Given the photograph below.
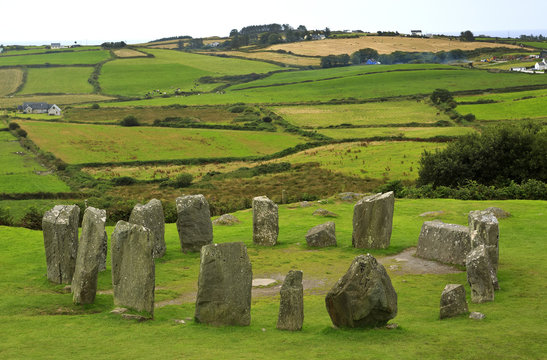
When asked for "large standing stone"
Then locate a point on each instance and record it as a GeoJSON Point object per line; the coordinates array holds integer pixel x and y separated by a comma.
{"type": "Point", "coordinates": [479, 276]}
{"type": "Point", "coordinates": [447, 243]}
{"type": "Point", "coordinates": [152, 217]}
{"type": "Point", "coordinates": [291, 306]}
{"type": "Point", "coordinates": [484, 229]}
{"type": "Point", "coordinates": [363, 297]}
{"type": "Point", "coordinates": [90, 251]}
{"type": "Point", "coordinates": [60, 230]}
{"type": "Point", "coordinates": [194, 222]}
{"type": "Point", "coordinates": [265, 221]}
{"type": "Point", "coordinates": [322, 235]}
{"type": "Point", "coordinates": [453, 301]}
{"type": "Point", "coordinates": [224, 285]}
{"type": "Point", "coordinates": [133, 272]}
{"type": "Point", "coordinates": [372, 221]}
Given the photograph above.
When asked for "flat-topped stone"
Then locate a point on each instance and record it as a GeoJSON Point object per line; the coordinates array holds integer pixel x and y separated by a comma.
{"type": "Point", "coordinates": [291, 306]}
{"type": "Point", "coordinates": [151, 216]}
{"type": "Point", "coordinates": [265, 221]}
{"type": "Point", "coordinates": [447, 243]}
{"type": "Point", "coordinates": [194, 222]}
{"type": "Point", "coordinates": [322, 235]}
{"type": "Point", "coordinates": [373, 221]}
{"type": "Point", "coordinates": [453, 302]}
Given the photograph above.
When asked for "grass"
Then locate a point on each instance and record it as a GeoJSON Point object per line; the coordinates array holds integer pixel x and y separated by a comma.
{"type": "Point", "coordinates": [18, 208]}
{"type": "Point", "coordinates": [42, 49]}
{"type": "Point", "coordinates": [10, 79]}
{"type": "Point", "coordinates": [535, 108]}
{"type": "Point", "coordinates": [33, 311]}
{"type": "Point", "coordinates": [381, 113]}
{"type": "Point", "coordinates": [62, 58]}
{"type": "Point", "coordinates": [21, 173]}
{"type": "Point", "coordinates": [171, 70]}
{"type": "Point", "coordinates": [83, 143]}
{"type": "Point", "coordinates": [408, 132]}
{"type": "Point", "coordinates": [288, 59]}
{"type": "Point", "coordinates": [128, 53]}
{"type": "Point", "coordinates": [69, 80]}
{"type": "Point", "coordinates": [53, 99]}
{"type": "Point", "coordinates": [507, 96]}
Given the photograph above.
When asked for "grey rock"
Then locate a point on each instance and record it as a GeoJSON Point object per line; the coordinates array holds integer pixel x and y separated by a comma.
{"type": "Point", "coordinates": [453, 301]}
{"type": "Point", "coordinates": [447, 243]}
{"type": "Point", "coordinates": [133, 271]}
{"type": "Point", "coordinates": [498, 212]}
{"type": "Point", "coordinates": [119, 310]}
{"type": "Point", "coordinates": [194, 222]}
{"type": "Point", "coordinates": [138, 318]}
{"type": "Point", "coordinates": [322, 235]}
{"type": "Point", "coordinates": [151, 216]}
{"type": "Point", "coordinates": [265, 221]}
{"type": "Point", "coordinates": [363, 297]}
{"type": "Point", "coordinates": [373, 221]}
{"type": "Point", "coordinates": [104, 253]}
{"type": "Point", "coordinates": [226, 219]}
{"type": "Point", "coordinates": [305, 204]}
{"type": "Point", "coordinates": [291, 306]}
{"type": "Point", "coordinates": [350, 196]}
{"type": "Point", "coordinates": [60, 230]}
{"type": "Point", "coordinates": [479, 275]}
{"type": "Point", "coordinates": [484, 229]}
{"type": "Point", "coordinates": [324, 213]}
{"type": "Point", "coordinates": [477, 315]}
{"type": "Point", "coordinates": [392, 326]}
{"type": "Point", "coordinates": [90, 251]}
{"type": "Point", "coordinates": [224, 285]}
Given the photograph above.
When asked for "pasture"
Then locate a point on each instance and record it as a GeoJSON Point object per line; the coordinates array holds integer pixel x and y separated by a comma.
{"type": "Point", "coordinates": [126, 52]}
{"type": "Point", "coordinates": [14, 101]}
{"type": "Point", "coordinates": [407, 132]}
{"type": "Point", "coordinates": [61, 58]}
{"type": "Point", "coordinates": [67, 80]}
{"type": "Point", "coordinates": [288, 59]}
{"type": "Point", "coordinates": [10, 79]}
{"type": "Point", "coordinates": [515, 109]}
{"type": "Point", "coordinates": [34, 310]}
{"type": "Point", "coordinates": [84, 143]}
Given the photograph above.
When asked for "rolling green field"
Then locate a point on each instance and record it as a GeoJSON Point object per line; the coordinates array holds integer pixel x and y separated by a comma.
{"type": "Point", "coordinates": [408, 132]}
{"type": "Point", "coordinates": [14, 101]}
{"type": "Point", "coordinates": [68, 80]}
{"type": "Point", "coordinates": [20, 173]}
{"type": "Point", "coordinates": [42, 49]}
{"type": "Point", "coordinates": [381, 113]}
{"type": "Point", "coordinates": [171, 70]}
{"type": "Point", "coordinates": [62, 58]}
{"type": "Point", "coordinates": [83, 143]}
{"type": "Point", "coordinates": [33, 311]}
{"type": "Point", "coordinates": [10, 79]}
{"type": "Point", "coordinates": [502, 96]}
{"type": "Point", "coordinates": [535, 108]}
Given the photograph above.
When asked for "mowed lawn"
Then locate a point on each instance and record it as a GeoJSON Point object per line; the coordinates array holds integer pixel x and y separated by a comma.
{"type": "Point", "coordinates": [408, 132]}
{"type": "Point", "coordinates": [21, 173]}
{"type": "Point", "coordinates": [66, 80]}
{"type": "Point", "coordinates": [33, 311]}
{"type": "Point", "coordinates": [83, 143]}
{"type": "Point", "coordinates": [378, 113]}
{"type": "Point", "coordinates": [61, 58]}
{"type": "Point", "coordinates": [170, 70]}
{"type": "Point", "coordinates": [10, 79]}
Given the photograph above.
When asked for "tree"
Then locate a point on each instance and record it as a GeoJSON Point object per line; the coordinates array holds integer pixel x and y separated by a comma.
{"type": "Point", "coordinates": [440, 96]}
{"type": "Point", "coordinates": [467, 36]}
{"type": "Point", "coordinates": [234, 32]}
{"type": "Point", "coordinates": [361, 56]}
{"type": "Point", "coordinates": [327, 32]}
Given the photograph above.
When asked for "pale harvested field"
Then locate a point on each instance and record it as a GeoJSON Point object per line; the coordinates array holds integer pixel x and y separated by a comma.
{"type": "Point", "coordinates": [173, 44]}
{"type": "Point", "coordinates": [282, 58]}
{"type": "Point", "coordinates": [52, 99]}
{"type": "Point", "coordinates": [128, 53]}
{"type": "Point", "coordinates": [10, 79]}
{"type": "Point", "coordinates": [382, 44]}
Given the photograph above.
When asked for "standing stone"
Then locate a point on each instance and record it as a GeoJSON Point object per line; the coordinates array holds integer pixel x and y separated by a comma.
{"type": "Point", "coordinates": [322, 235]}
{"type": "Point", "coordinates": [133, 273]}
{"type": "Point", "coordinates": [453, 301]}
{"type": "Point", "coordinates": [484, 229]}
{"type": "Point", "coordinates": [152, 217]}
{"type": "Point", "coordinates": [479, 275]}
{"type": "Point", "coordinates": [90, 250]}
{"type": "Point", "coordinates": [447, 243]}
{"type": "Point", "coordinates": [372, 221]}
{"type": "Point", "coordinates": [104, 253]}
{"type": "Point", "coordinates": [224, 285]}
{"type": "Point", "coordinates": [60, 230]}
{"type": "Point", "coordinates": [194, 222]}
{"type": "Point", "coordinates": [291, 306]}
{"type": "Point", "coordinates": [265, 221]}
{"type": "Point", "coordinates": [363, 297]}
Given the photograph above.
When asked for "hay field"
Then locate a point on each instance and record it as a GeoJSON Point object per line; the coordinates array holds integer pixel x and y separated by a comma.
{"type": "Point", "coordinates": [272, 56]}
{"type": "Point", "coordinates": [10, 79]}
{"type": "Point", "coordinates": [382, 44]}
{"type": "Point", "coordinates": [407, 132]}
{"type": "Point", "coordinates": [68, 80]}
{"type": "Point", "coordinates": [128, 53]}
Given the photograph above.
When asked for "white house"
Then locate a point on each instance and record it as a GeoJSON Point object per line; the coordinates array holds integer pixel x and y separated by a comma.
{"type": "Point", "coordinates": [40, 108]}
{"type": "Point", "coordinates": [541, 65]}
{"type": "Point", "coordinates": [416, 32]}
{"type": "Point", "coordinates": [1, 50]}
{"type": "Point", "coordinates": [55, 45]}
{"type": "Point", "coordinates": [54, 110]}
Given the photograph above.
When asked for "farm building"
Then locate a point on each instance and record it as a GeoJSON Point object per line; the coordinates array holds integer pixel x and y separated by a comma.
{"type": "Point", "coordinates": [541, 65]}
{"type": "Point", "coordinates": [416, 32]}
{"type": "Point", "coordinates": [39, 108]}
{"type": "Point", "coordinates": [55, 45]}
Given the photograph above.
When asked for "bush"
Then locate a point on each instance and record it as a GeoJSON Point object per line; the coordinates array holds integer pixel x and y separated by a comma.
{"type": "Point", "coordinates": [95, 106]}
{"type": "Point", "coordinates": [21, 133]}
{"type": "Point", "coordinates": [183, 180]}
{"type": "Point", "coordinates": [129, 120]}
{"type": "Point", "coordinates": [236, 109]}
{"type": "Point", "coordinates": [123, 180]}
{"type": "Point", "coordinates": [440, 96]}
{"type": "Point", "coordinates": [32, 219]}
{"type": "Point", "coordinates": [5, 217]}
{"type": "Point", "coordinates": [13, 126]}
{"type": "Point", "coordinates": [469, 117]}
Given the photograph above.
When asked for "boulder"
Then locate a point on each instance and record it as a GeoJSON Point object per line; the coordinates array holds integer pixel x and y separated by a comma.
{"type": "Point", "coordinates": [224, 285]}
{"type": "Point", "coordinates": [88, 260]}
{"type": "Point", "coordinates": [484, 230]}
{"type": "Point", "coordinates": [479, 276]}
{"type": "Point", "coordinates": [372, 221]}
{"type": "Point", "coordinates": [194, 222]}
{"type": "Point", "coordinates": [363, 297]}
{"type": "Point", "coordinates": [60, 230]}
{"type": "Point", "coordinates": [453, 301]}
{"type": "Point", "coordinates": [291, 306]}
{"type": "Point", "coordinates": [265, 221]}
{"type": "Point", "coordinates": [350, 196]}
{"type": "Point", "coordinates": [322, 235]}
{"type": "Point", "coordinates": [324, 213]}
{"type": "Point", "coordinates": [475, 315]}
{"type": "Point", "coordinates": [151, 216]}
{"type": "Point", "coordinates": [498, 212]}
{"type": "Point", "coordinates": [447, 243]}
{"type": "Point", "coordinates": [133, 272]}
{"type": "Point", "coordinates": [226, 219]}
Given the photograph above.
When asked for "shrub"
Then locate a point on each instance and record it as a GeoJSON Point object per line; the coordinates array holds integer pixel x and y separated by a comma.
{"type": "Point", "coordinates": [123, 180]}
{"type": "Point", "coordinates": [13, 126]}
{"type": "Point", "coordinates": [129, 120]}
{"type": "Point", "coordinates": [236, 109]}
{"type": "Point", "coordinates": [95, 106]}
{"type": "Point", "coordinates": [21, 133]}
{"type": "Point", "coordinates": [183, 180]}
{"type": "Point", "coordinates": [469, 117]}
{"type": "Point", "coordinates": [440, 96]}
{"type": "Point", "coordinates": [32, 219]}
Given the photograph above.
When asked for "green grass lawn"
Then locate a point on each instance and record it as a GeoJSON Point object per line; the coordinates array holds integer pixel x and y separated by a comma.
{"type": "Point", "coordinates": [408, 132]}
{"type": "Point", "coordinates": [21, 173]}
{"type": "Point", "coordinates": [378, 113]}
{"type": "Point", "coordinates": [535, 108]}
{"type": "Point", "coordinates": [68, 80]}
{"type": "Point", "coordinates": [38, 320]}
{"type": "Point", "coordinates": [84, 143]}
{"type": "Point", "coordinates": [62, 58]}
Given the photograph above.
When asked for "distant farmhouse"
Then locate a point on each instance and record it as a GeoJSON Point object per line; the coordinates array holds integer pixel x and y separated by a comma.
{"type": "Point", "coordinates": [416, 32]}
{"type": "Point", "coordinates": [541, 65]}
{"type": "Point", "coordinates": [1, 50]}
{"type": "Point", "coordinates": [55, 45]}
{"type": "Point", "coordinates": [39, 108]}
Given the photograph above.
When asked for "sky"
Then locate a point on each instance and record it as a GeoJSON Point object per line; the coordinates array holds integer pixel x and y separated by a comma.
{"type": "Point", "coordinates": [133, 21]}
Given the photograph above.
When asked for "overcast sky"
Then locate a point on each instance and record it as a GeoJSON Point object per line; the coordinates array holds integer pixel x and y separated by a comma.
{"type": "Point", "coordinates": [95, 21]}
